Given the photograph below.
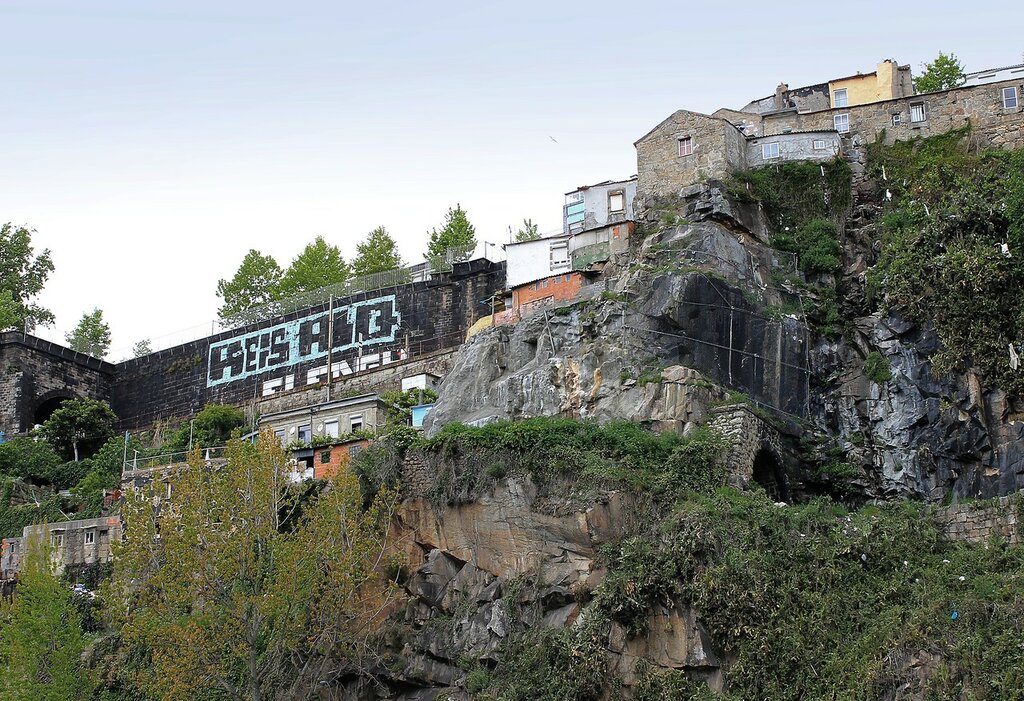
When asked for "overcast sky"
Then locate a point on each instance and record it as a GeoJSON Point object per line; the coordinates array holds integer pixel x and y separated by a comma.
{"type": "Point", "coordinates": [151, 144]}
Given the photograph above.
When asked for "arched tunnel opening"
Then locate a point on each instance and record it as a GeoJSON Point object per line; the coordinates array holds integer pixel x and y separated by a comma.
{"type": "Point", "coordinates": [769, 474]}
{"type": "Point", "coordinates": [47, 407]}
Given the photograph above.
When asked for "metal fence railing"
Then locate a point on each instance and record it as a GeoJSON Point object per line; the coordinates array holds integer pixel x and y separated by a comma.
{"type": "Point", "coordinates": [149, 462]}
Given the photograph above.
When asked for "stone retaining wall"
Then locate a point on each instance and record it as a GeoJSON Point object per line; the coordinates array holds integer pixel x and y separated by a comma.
{"type": "Point", "coordinates": [979, 523]}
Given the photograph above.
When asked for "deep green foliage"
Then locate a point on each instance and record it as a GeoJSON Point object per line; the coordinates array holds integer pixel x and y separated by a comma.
{"type": "Point", "coordinates": [456, 238]}
{"type": "Point", "coordinates": [377, 253]}
{"type": "Point", "coordinates": [796, 193]}
{"type": "Point", "coordinates": [78, 427]}
{"type": "Point", "coordinates": [319, 264]}
{"type": "Point", "coordinates": [527, 232]}
{"type": "Point", "coordinates": [942, 259]}
{"type": "Point", "coordinates": [255, 286]}
{"type": "Point", "coordinates": [22, 276]}
{"type": "Point", "coordinates": [91, 336]}
{"type": "Point", "coordinates": [816, 244]}
{"type": "Point", "coordinates": [549, 449]}
{"type": "Point", "coordinates": [30, 460]}
{"type": "Point", "coordinates": [15, 516]}
{"type": "Point", "coordinates": [876, 367]}
{"type": "Point", "coordinates": [943, 73]}
{"type": "Point", "coordinates": [812, 602]}
{"type": "Point", "coordinates": [211, 427]}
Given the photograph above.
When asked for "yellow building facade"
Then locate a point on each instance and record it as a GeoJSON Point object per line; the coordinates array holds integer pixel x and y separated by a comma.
{"type": "Point", "coordinates": [889, 81]}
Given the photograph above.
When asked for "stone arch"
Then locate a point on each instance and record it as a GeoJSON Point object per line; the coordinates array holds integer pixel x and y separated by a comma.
{"type": "Point", "coordinates": [48, 403]}
{"type": "Point", "coordinates": [767, 472]}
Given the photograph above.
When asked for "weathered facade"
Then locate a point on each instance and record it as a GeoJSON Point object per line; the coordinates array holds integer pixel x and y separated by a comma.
{"type": "Point", "coordinates": [83, 542]}
{"type": "Point", "coordinates": [356, 336]}
{"type": "Point", "coordinates": [306, 422]}
{"type": "Point", "coordinates": [36, 375]}
{"type": "Point", "coordinates": [593, 206]}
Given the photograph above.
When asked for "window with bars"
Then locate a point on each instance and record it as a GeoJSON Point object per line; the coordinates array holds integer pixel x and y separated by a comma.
{"type": "Point", "coordinates": [917, 112]}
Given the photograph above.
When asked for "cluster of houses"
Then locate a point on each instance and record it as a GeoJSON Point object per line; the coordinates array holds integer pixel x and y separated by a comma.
{"type": "Point", "coordinates": [810, 123]}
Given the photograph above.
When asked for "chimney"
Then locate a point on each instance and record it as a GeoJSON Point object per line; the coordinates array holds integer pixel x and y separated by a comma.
{"type": "Point", "coordinates": [782, 96]}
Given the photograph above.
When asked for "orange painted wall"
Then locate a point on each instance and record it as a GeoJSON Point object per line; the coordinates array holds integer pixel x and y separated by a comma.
{"type": "Point", "coordinates": [557, 288]}
{"type": "Point", "coordinates": [340, 456]}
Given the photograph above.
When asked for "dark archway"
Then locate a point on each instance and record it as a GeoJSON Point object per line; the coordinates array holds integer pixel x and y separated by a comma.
{"type": "Point", "coordinates": [48, 404]}
{"type": "Point", "coordinates": [769, 474]}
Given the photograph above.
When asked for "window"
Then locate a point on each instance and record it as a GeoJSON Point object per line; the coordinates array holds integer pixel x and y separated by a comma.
{"type": "Point", "coordinates": [331, 429]}
{"type": "Point", "coordinates": [917, 113]}
{"type": "Point", "coordinates": [354, 450]}
{"type": "Point", "coordinates": [57, 539]}
{"type": "Point", "coordinates": [897, 119]}
{"type": "Point", "coordinates": [616, 202]}
{"type": "Point", "coordinates": [356, 422]}
{"type": "Point", "coordinates": [305, 433]}
{"type": "Point", "coordinates": [325, 457]}
{"type": "Point", "coordinates": [842, 123]}
{"type": "Point", "coordinates": [90, 537]}
{"type": "Point", "coordinates": [819, 144]}
{"type": "Point", "coordinates": [685, 146]}
{"type": "Point", "coordinates": [559, 255]}
{"type": "Point", "coordinates": [280, 436]}
{"type": "Point", "coordinates": [770, 150]}
{"type": "Point", "coordinates": [840, 98]}
{"type": "Point", "coordinates": [1010, 98]}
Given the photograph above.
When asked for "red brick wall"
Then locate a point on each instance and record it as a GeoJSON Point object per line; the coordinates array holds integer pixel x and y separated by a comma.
{"type": "Point", "coordinates": [340, 457]}
{"type": "Point", "coordinates": [557, 288]}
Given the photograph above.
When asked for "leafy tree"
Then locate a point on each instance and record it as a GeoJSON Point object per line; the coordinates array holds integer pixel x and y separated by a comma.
{"type": "Point", "coordinates": [211, 427]}
{"type": "Point", "coordinates": [457, 235]}
{"type": "Point", "coordinates": [943, 73]}
{"type": "Point", "coordinates": [29, 459]}
{"type": "Point", "coordinates": [22, 276]}
{"type": "Point", "coordinates": [143, 347]}
{"type": "Point", "coordinates": [255, 286]}
{"type": "Point", "coordinates": [377, 253]}
{"type": "Point", "coordinates": [41, 640]}
{"type": "Point", "coordinates": [91, 336]}
{"type": "Point", "coordinates": [318, 265]}
{"type": "Point", "coordinates": [527, 232]}
{"type": "Point", "coordinates": [243, 597]}
{"type": "Point", "coordinates": [78, 427]}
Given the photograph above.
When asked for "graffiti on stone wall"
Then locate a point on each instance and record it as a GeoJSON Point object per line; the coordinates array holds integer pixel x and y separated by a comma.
{"type": "Point", "coordinates": [355, 330]}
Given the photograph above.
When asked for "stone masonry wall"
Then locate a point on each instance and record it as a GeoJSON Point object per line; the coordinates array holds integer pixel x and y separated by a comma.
{"type": "Point", "coordinates": [34, 371]}
{"type": "Point", "coordinates": [288, 354]}
{"type": "Point", "coordinates": [980, 105]}
{"type": "Point", "coordinates": [662, 172]}
{"type": "Point", "coordinates": [746, 434]}
{"type": "Point", "coordinates": [979, 523]}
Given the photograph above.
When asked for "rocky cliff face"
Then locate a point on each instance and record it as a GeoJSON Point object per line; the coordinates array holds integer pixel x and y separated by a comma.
{"type": "Point", "coordinates": [705, 292]}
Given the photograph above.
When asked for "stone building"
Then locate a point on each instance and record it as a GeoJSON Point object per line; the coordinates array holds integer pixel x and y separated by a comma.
{"type": "Point", "coordinates": [83, 542]}
{"type": "Point", "coordinates": [326, 420]}
{"type": "Point", "coordinates": [821, 121]}
{"type": "Point", "coordinates": [596, 206]}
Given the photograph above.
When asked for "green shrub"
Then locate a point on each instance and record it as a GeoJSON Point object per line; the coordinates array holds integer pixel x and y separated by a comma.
{"type": "Point", "coordinates": [876, 367]}
{"type": "Point", "coordinates": [29, 459]}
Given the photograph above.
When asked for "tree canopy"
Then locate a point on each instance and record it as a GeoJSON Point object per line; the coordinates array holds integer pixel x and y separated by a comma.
{"type": "Point", "coordinates": [457, 235]}
{"type": "Point", "coordinates": [91, 336]}
{"type": "Point", "coordinates": [943, 73]}
{"type": "Point", "coordinates": [141, 348]}
{"type": "Point", "coordinates": [254, 589]}
{"type": "Point", "coordinates": [41, 640]}
{"type": "Point", "coordinates": [377, 253]}
{"type": "Point", "coordinates": [527, 232]}
{"type": "Point", "coordinates": [22, 277]}
{"type": "Point", "coordinates": [318, 265]}
{"type": "Point", "coordinates": [255, 286]}
{"type": "Point", "coordinates": [78, 427]}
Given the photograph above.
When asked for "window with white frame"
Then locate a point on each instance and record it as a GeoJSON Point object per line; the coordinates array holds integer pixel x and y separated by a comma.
{"type": "Point", "coordinates": [331, 429]}
{"type": "Point", "coordinates": [685, 146]}
{"type": "Point", "coordinates": [281, 437]}
{"type": "Point", "coordinates": [917, 112]}
{"type": "Point", "coordinates": [90, 537]}
{"type": "Point", "coordinates": [840, 98]}
{"type": "Point", "coordinates": [57, 539]}
{"type": "Point", "coordinates": [616, 201]}
{"type": "Point", "coordinates": [305, 433]}
{"type": "Point", "coordinates": [819, 145]}
{"type": "Point", "coordinates": [356, 422]}
{"type": "Point", "coordinates": [842, 123]}
{"type": "Point", "coordinates": [897, 119]}
{"type": "Point", "coordinates": [1010, 98]}
{"type": "Point", "coordinates": [559, 255]}
{"type": "Point", "coordinates": [770, 150]}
